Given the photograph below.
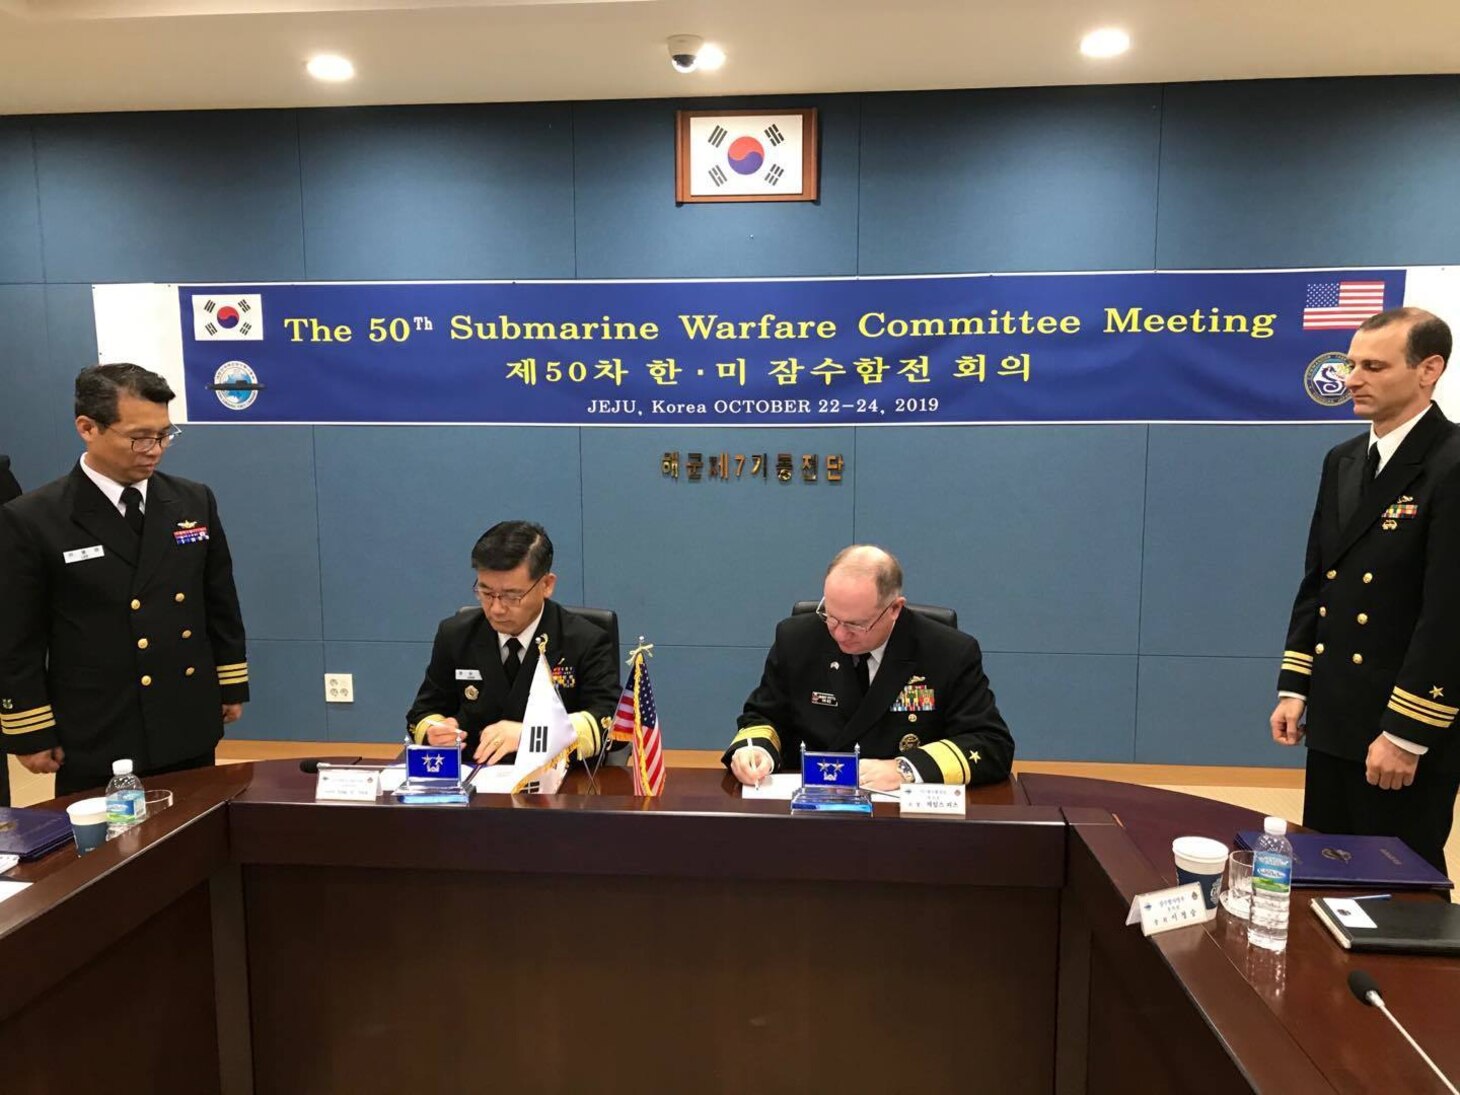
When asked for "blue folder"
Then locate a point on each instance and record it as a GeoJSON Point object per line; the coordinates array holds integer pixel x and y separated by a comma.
{"type": "Point", "coordinates": [1356, 862]}
{"type": "Point", "coordinates": [31, 833]}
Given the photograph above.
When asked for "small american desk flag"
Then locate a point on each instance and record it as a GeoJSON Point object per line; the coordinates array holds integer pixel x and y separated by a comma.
{"type": "Point", "coordinates": [636, 721]}
{"type": "Point", "coordinates": [1341, 305]}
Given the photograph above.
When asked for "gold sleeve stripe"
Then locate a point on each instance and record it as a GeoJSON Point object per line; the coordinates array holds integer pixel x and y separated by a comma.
{"type": "Point", "coordinates": [233, 674]}
{"type": "Point", "coordinates": [1297, 656]}
{"type": "Point", "coordinates": [1426, 719]}
{"type": "Point", "coordinates": [28, 728]}
{"type": "Point", "coordinates": [419, 730]}
{"type": "Point", "coordinates": [752, 732]}
{"type": "Point", "coordinates": [950, 761]}
{"type": "Point", "coordinates": [235, 665]}
{"type": "Point", "coordinates": [1297, 667]}
{"type": "Point", "coordinates": [586, 727]}
{"type": "Point", "coordinates": [1423, 704]}
{"type": "Point", "coordinates": [25, 726]}
{"type": "Point", "coordinates": [35, 714]}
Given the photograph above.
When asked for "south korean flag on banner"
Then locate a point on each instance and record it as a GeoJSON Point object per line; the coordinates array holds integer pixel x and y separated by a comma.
{"type": "Point", "coordinates": [745, 154]}
{"type": "Point", "coordinates": [228, 318]}
{"type": "Point", "coordinates": [548, 737]}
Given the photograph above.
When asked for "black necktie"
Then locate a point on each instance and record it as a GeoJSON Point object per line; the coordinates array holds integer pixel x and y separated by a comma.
{"type": "Point", "coordinates": [132, 504]}
{"type": "Point", "coordinates": [1371, 466]}
{"type": "Point", "coordinates": [862, 664]}
{"type": "Point", "coordinates": [513, 661]}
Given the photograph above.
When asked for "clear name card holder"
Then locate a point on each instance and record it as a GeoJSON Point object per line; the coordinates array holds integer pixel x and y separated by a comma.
{"type": "Point", "coordinates": [829, 784]}
{"type": "Point", "coordinates": [434, 777]}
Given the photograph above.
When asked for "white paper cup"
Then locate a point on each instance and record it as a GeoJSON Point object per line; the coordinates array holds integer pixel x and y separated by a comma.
{"type": "Point", "coordinates": [88, 823]}
{"type": "Point", "coordinates": [1200, 859]}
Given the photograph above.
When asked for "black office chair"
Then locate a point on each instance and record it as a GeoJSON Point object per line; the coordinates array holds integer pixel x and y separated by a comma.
{"type": "Point", "coordinates": [936, 613]}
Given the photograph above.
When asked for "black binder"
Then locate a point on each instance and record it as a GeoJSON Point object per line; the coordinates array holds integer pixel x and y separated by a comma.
{"type": "Point", "coordinates": [1400, 927]}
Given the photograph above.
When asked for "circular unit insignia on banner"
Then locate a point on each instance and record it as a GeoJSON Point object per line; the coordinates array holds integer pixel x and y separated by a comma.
{"type": "Point", "coordinates": [1324, 378]}
{"type": "Point", "coordinates": [231, 373]}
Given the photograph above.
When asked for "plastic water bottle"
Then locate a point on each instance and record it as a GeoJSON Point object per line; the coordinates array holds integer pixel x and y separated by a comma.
{"type": "Point", "coordinates": [126, 802]}
{"type": "Point", "coordinates": [1272, 884]}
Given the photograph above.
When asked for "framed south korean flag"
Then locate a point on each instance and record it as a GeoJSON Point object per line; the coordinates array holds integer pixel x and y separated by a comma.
{"type": "Point", "coordinates": [746, 156]}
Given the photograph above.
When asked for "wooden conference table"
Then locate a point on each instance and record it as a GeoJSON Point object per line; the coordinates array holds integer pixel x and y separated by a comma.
{"type": "Point", "coordinates": [248, 939]}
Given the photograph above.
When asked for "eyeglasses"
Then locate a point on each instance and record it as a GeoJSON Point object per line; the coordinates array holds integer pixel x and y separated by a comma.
{"type": "Point", "coordinates": [834, 622]}
{"type": "Point", "coordinates": [145, 445]}
{"type": "Point", "coordinates": [510, 599]}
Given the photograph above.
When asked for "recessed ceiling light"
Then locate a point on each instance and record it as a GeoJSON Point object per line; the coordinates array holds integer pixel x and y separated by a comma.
{"type": "Point", "coordinates": [711, 57]}
{"type": "Point", "coordinates": [330, 67]}
{"type": "Point", "coordinates": [1105, 42]}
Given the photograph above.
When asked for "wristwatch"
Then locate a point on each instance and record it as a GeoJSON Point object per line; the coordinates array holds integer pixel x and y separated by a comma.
{"type": "Point", "coordinates": [905, 769]}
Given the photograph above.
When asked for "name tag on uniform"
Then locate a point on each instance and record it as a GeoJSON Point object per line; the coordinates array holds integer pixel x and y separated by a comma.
{"type": "Point", "coordinates": [468, 674]}
{"type": "Point", "coordinates": [81, 554]}
{"type": "Point", "coordinates": [823, 699]}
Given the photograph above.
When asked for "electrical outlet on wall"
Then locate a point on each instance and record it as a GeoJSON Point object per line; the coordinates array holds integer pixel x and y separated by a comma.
{"type": "Point", "coordinates": [339, 688]}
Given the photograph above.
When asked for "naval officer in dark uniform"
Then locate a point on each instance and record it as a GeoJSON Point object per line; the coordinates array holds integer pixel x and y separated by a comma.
{"type": "Point", "coordinates": [482, 661]}
{"type": "Point", "coordinates": [863, 671]}
{"type": "Point", "coordinates": [1372, 659]}
{"type": "Point", "coordinates": [9, 489]}
{"type": "Point", "coordinates": [122, 635]}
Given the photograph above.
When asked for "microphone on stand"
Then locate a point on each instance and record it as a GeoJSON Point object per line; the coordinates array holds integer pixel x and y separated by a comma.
{"type": "Point", "coordinates": [314, 764]}
{"type": "Point", "coordinates": [1366, 989]}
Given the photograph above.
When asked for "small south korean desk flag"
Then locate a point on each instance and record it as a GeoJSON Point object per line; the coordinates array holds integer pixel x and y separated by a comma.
{"type": "Point", "coordinates": [228, 318]}
{"type": "Point", "coordinates": [745, 154]}
{"type": "Point", "coordinates": [548, 738]}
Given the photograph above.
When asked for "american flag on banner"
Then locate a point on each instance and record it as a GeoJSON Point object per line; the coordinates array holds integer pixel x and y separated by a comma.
{"type": "Point", "coordinates": [1341, 305]}
{"type": "Point", "coordinates": [637, 721]}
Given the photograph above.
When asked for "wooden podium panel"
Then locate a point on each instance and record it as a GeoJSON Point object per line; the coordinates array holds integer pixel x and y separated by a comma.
{"type": "Point", "coordinates": [367, 980]}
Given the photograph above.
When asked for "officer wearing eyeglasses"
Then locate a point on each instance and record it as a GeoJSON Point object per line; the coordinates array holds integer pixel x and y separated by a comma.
{"type": "Point", "coordinates": [865, 671]}
{"type": "Point", "coordinates": [483, 660]}
{"type": "Point", "coordinates": [121, 635]}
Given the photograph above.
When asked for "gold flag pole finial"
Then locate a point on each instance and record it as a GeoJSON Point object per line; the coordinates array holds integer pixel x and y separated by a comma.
{"type": "Point", "coordinates": [644, 649]}
{"type": "Point", "coordinates": [542, 645]}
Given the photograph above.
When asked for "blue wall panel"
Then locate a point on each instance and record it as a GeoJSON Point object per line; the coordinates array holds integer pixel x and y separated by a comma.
{"type": "Point", "coordinates": [1066, 706]}
{"type": "Point", "coordinates": [171, 197]}
{"type": "Point", "coordinates": [1209, 711]}
{"type": "Point", "coordinates": [263, 477]}
{"type": "Point", "coordinates": [28, 430]}
{"type": "Point", "coordinates": [712, 562]}
{"type": "Point", "coordinates": [20, 224]}
{"type": "Point", "coordinates": [699, 690]}
{"type": "Point", "coordinates": [628, 225]}
{"type": "Point", "coordinates": [1227, 513]}
{"type": "Point", "coordinates": [401, 507]}
{"type": "Point", "coordinates": [1023, 179]}
{"type": "Point", "coordinates": [71, 347]}
{"type": "Point", "coordinates": [386, 678]}
{"type": "Point", "coordinates": [1310, 173]}
{"type": "Point", "coordinates": [1032, 533]}
{"type": "Point", "coordinates": [1130, 585]}
{"type": "Point", "coordinates": [286, 690]}
{"type": "Point", "coordinates": [438, 192]}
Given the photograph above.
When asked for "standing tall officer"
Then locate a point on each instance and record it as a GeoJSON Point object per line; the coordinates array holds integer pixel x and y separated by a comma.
{"type": "Point", "coordinates": [1373, 649]}
{"type": "Point", "coordinates": [9, 489]}
{"type": "Point", "coordinates": [122, 635]}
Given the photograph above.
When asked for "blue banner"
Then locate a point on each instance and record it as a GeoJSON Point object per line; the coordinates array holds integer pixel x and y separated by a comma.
{"type": "Point", "coordinates": [1183, 347]}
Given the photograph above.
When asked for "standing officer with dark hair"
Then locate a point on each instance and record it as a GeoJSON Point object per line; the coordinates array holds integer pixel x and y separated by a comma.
{"type": "Point", "coordinates": [122, 635]}
{"type": "Point", "coordinates": [482, 663]}
{"type": "Point", "coordinates": [9, 489]}
{"type": "Point", "coordinates": [1373, 649]}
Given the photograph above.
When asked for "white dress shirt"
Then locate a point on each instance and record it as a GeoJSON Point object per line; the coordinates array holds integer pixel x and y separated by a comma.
{"type": "Point", "coordinates": [112, 489]}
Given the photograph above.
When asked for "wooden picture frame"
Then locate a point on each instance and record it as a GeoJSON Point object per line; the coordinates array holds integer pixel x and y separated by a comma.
{"type": "Point", "coordinates": [755, 175]}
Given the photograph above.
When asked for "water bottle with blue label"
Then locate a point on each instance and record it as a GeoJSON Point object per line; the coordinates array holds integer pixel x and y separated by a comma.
{"type": "Point", "coordinates": [126, 802]}
{"type": "Point", "coordinates": [1272, 884]}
